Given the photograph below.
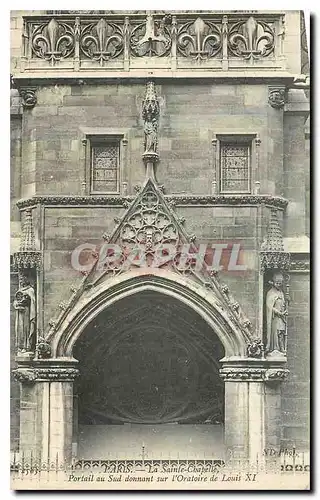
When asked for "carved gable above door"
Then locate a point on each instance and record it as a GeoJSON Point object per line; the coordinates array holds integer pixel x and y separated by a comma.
{"type": "Point", "coordinates": [150, 236]}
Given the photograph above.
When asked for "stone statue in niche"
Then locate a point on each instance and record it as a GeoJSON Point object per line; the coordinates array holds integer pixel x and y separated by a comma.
{"type": "Point", "coordinates": [276, 311]}
{"type": "Point", "coordinates": [150, 131]}
{"type": "Point", "coordinates": [25, 324]}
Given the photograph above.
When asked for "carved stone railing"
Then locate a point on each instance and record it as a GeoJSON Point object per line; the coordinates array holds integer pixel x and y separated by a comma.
{"type": "Point", "coordinates": [173, 42]}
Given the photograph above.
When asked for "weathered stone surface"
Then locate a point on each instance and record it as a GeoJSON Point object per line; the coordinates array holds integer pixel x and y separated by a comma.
{"type": "Point", "coordinates": [47, 158]}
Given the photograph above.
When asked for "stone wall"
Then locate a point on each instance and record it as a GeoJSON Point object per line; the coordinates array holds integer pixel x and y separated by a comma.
{"type": "Point", "coordinates": [191, 113]}
{"type": "Point", "coordinates": [47, 159]}
{"type": "Point", "coordinates": [14, 385]}
{"type": "Point", "coordinates": [295, 401]}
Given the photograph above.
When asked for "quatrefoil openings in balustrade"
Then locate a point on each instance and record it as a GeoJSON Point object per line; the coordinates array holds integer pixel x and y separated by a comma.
{"type": "Point", "coordinates": [53, 41]}
{"type": "Point", "coordinates": [251, 39]}
{"type": "Point", "coordinates": [199, 39]}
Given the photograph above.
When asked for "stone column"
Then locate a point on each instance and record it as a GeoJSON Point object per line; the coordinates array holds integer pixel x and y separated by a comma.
{"type": "Point", "coordinates": [47, 409]}
{"type": "Point", "coordinates": [60, 423]}
{"type": "Point", "coordinates": [250, 418]}
{"type": "Point", "coordinates": [236, 419]}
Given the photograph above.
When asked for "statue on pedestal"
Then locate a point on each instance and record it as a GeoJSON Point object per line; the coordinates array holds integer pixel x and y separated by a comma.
{"type": "Point", "coordinates": [276, 310]}
{"type": "Point", "coordinates": [150, 131]}
{"type": "Point", "coordinates": [25, 324]}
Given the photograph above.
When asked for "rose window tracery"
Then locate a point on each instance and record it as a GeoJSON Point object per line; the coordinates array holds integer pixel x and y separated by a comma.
{"type": "Point", "coordinates": [149, 226]}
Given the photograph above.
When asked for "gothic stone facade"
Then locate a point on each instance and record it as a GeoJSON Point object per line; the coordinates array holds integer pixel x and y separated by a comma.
{"type": "Point", "coordinates": [194, 123]}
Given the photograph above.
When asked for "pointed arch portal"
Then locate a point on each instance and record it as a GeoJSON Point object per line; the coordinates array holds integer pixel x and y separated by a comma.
{"type": "Point", "coordinates": [104, 296]}
{"type": "Point", "coordinates": [148, 363]}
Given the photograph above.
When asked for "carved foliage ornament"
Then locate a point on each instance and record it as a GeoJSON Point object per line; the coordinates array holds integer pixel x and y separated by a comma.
{"type": "Point", "coordinates": [43, 348]}
{"type": "Point", "coordinates": [251, 39]}
{"type": "Point", "coordinates": [28, 97]}
{"type": "Point", "coordinates": [241, 374]}
{"type": "Point", "coordinates": [25, 375]}
{"type": "Point", "coordinates": [273, 374]}
{"type": "Point", "coordinates": [199, 39]}
{"type": "Point", "coordinates": [255, 349]}
{"type": "Point", "coordinates": [122, 201]}
{"type": "Point", "coordinates": [31, 375]}
{"type": "Point", "coordinates": [248, 374]}
{"type": "Point", "coordinates": [276, 97]}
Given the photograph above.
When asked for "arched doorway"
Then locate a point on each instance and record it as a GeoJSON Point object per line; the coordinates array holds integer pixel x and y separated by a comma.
{"type": "Point", "coordinates": [149, 382]}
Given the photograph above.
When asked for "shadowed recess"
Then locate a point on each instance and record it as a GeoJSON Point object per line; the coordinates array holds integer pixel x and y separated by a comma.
{"type": "Point", "coordinates": [149, 359]}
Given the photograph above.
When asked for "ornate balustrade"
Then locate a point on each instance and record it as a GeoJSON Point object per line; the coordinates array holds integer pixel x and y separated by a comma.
{"type": "Point", "coordinates": [140, 41]}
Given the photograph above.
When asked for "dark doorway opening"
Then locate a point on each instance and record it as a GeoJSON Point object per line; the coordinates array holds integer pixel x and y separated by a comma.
{"type": "Point", "coordinates": [149, 380]}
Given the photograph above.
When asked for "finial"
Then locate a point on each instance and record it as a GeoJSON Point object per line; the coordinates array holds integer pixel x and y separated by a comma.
{"type": "Point", "coordinates": [273, 240]}
{"type": "Point", "coordinates": [272, 254]}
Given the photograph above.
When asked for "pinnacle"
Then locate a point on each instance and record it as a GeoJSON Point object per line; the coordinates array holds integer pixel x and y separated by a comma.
{"type": "Point", "coordinates": [273, 241]}
{"type": "Point", "coordinates": [27, 241]}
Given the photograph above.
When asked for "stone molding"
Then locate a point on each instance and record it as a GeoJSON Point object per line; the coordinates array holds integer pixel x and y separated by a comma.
{"type": "Point", "coordinates": [177, 200]}
{"type": "Point", "coordinates": [48, 374]}
{"type": "Point", "coordinates": [276, 374]}
{"type": "Point", "coordinates": [299, 264]}
{"type": "Point", "coordinates": [190, 40]}
{"type": "Point", "coordinates": [253, 370]}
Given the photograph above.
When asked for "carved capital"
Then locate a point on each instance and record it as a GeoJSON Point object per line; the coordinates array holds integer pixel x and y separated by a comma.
{"type": "Point", "coordinates": [57, 374]}
{"type": "Point", "coordinates": [242, 374]}
{"type": "Point", "coordinates": [276, 374]}
{"type": "Point", "coordinates": [253, 374]}
{"type": "Point", "coordinates": [28, 97]}
{"type": "Point", "coordinates": [276, 97]}
{"type": "Point", "coordinates": [31, 375]}
{"type": "Point", "coordinates": [25, 375]}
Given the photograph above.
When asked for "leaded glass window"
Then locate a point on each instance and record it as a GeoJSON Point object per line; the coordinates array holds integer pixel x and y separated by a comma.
{"type": "Point", "coordinates": [234, 168]}
{"type": "Point", "coordinates": [105, 167]}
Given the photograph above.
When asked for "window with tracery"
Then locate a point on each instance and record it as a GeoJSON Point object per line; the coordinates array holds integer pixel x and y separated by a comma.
{"type": "Point", "coordinates": [105, 166]}
{"type": "Point", "coordinates": [235, 167]}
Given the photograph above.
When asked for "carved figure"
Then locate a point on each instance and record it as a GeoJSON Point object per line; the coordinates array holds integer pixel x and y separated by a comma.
{"type": "Point", "coordinates": [150, 130]}
{"type": "Point", "coordinates": [276, 316]}
{"type": "Point", "coordinates": [25, 306]}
